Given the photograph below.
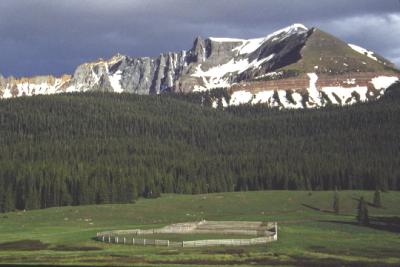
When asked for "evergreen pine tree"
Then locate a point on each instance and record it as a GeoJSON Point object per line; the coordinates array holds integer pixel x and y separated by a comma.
{"type": "Point", "coordinates": [362, 216]}
{"type": "Point", "coordinates": [2, 209]}
{"type": "Point", "coordinates": [8, 200]}
{"type": "Point", "coordinates": [220, 105]}
{"type": "Point", "coordinates": [377, 199]}
{"type": "Point", "coordinates": [336, 203]}
{"type": "Point", "coordinates": [207, 102]}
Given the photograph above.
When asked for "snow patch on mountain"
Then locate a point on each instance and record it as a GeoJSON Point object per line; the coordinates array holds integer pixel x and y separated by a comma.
{"type": "Point", "coordinates": [383, 82]}
{"type": "Point", "coordinates": [346, 95]}
{"type": "Point", "coordinates": [30, 89]}
{"type": "Point", "coordinates": [219, 76]}
{"type": "Point", "coordinates": [283, 99]}
{"type": "Point", "coordinates": [263, 97]}
{"type": "Point", "coordinates": [215, 103]}
{"type": "Point", "coordinates": [241, 97]}
{"type": "Point", "coordinates": [7, 93]}
{"type": "Point", "coordinates": [298, 98]}
{"type": "Point", "coordinates": [350, 81]}
{"type": "Point", "coordinates": [229, 40]}
{"type": "Point", "coordinates": [314, 95]}
{"type": "Point", "coordinates": [363, 51]}
{"type": "Point", "coordinates": [271, 75]}
{"type": "Point", "coordinates": [251, 45]}
{"type": "Point", "coordinates": [115, 81]}
{"type": "Point", "coordinates": [40, 85]}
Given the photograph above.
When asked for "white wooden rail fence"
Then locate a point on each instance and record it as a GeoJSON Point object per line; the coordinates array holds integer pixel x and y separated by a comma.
{"type": "Point", "coordinates": [264, 234]}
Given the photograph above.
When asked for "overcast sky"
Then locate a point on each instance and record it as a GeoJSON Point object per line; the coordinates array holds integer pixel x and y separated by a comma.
{"type": "Point", "coordinates": [54, 36]}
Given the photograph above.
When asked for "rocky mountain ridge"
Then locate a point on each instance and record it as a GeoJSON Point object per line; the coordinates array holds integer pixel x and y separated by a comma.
{"type": "Point", "coordinates": [294, 67]}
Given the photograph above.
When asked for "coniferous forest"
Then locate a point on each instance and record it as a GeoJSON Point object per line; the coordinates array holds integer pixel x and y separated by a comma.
{"type": "Point", "coordinates": [88, 148]}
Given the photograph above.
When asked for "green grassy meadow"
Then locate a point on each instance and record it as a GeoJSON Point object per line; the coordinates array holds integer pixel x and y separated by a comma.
{"type": "Point", "coordinates": [309, 233]}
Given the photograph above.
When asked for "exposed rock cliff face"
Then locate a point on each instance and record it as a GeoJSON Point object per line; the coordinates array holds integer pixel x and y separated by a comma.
{"type": "Point", "coordinates": [294, 67]}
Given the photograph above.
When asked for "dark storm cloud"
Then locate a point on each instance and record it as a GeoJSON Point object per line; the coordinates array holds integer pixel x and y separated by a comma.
{"type": "Point", "coordinates": [53, 36]}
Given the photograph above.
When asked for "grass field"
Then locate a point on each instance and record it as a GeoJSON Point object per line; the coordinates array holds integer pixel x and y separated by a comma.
{"type": "Point", "coordinates": [309, 233]}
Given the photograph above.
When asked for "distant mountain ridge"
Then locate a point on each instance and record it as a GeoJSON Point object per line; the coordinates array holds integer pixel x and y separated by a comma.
{"type": "Point", "coordinates": [294, 67]}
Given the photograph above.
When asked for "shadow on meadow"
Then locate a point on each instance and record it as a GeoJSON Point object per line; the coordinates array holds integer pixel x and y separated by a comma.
{"type": "Point", "coordinates": [316, 209]}
{"type": "Point", "coordinates": [24, 245]}
{"type": "Point", "coordinates": [36, 245]}
{"type": "Point", "coordinates": [385, 223]}
{"type": "Point", "coordinates": [390, 224]}
{"type": "Point", "coordinates": [370, 204]}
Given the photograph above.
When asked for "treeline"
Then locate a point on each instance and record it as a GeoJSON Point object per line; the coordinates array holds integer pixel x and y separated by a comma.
{"type": "Point", "coordinates": [91, 148]}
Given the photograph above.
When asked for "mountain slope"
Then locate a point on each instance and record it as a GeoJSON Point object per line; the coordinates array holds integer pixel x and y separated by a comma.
{"type": "Point", "coordinates": [324, 53]}
{"type": "Point", "coordinates": [327, 71]}
{"type": "Point", "coordinates": [282, 70]}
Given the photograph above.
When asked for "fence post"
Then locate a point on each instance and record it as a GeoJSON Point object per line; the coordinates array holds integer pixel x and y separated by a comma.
{"type": "Point", "coordinates": [103, 238]}
{"type": "Point", "coordinates": [144, 242]}
{"type": "Point", "coordinates": [133, 241]}
{"type": "Point", "coordinates": [124, 240]}
{"type": "Point", "coordinates": [109, 239]}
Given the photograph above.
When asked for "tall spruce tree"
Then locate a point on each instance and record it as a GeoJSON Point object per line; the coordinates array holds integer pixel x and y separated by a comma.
{"type": "Point", "coordinates": [2, 209]}
{"type": "Point", "coordinates": [336, 202]}
{"type": "Point", "coordinates": [377, 199]}
{"type": "Point", "coordinates": [362, 216]}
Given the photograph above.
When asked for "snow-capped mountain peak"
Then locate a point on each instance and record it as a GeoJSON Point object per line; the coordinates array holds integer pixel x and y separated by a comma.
{"type": "Point", "coordinates": [293, 67]}
{"type": "Point", "coordinates": [248, 46]}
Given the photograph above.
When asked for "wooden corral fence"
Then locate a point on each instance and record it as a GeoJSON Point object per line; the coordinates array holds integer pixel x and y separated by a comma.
{"type": "Point", "coordinates": [263, 233]}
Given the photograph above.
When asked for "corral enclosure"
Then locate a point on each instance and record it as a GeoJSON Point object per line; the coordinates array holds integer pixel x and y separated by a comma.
{"type": "Point", "coordinates": [197, 234]}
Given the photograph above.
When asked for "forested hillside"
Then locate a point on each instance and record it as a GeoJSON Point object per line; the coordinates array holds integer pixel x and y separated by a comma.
{"type": "Point", "coordinates": [91, 148]}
